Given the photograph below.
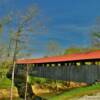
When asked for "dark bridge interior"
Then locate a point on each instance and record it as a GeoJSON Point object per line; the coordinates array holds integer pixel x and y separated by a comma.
{"type": "Point", "coordinates": [81, 71]}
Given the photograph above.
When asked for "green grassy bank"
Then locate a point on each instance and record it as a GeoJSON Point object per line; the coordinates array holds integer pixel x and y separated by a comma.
{"type": "Point", "coordinates": [78, 92]}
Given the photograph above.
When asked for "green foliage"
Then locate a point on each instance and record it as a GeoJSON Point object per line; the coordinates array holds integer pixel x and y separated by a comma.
{"type": "Point", "coordinates": [96, 39]}
{"type": "Point", "coordinates": [74, 50]}
{"type": "Point", "coordinates": [97, 35]}
{"type": "Point", "coordinates": [5, 64]}
{"type": "Point", "coordinates": [4, 67]}
{"type": "Point", "coordinates": [42, 81]}
{"type": "Point", "coordinates": [1, 29]}
{"type": "Point", "coordinates": [33, 80]}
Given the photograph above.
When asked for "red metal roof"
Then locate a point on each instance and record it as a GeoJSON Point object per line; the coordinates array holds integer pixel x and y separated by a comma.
{"type": "Point", "coordinates": [69, 57]}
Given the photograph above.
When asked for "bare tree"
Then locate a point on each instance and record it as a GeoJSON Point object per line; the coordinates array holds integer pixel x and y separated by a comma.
{"type": "Point", "coordinates": [95, 34]}
{"type": "Point", "coordinates": [54, 48]}
{"type": "Point", "coordinates": [26, 25]}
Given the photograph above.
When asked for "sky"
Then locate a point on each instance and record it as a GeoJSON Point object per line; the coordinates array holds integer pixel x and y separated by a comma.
{"type": "Point", "coordinates": [69, 22]}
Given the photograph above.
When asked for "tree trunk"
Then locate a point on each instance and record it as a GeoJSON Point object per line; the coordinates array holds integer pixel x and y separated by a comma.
{"type": "Point", "coordinates": [26, 82]}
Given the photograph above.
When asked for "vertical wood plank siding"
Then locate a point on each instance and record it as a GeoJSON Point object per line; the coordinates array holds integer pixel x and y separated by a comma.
{"type": "Point", "coordinates": [83, 73]}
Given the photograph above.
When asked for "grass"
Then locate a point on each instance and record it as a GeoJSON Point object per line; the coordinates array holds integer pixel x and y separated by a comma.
{"type": "Point", "coordinates": [5, 83]}
{"type": "Point", "coordinates": [78, 92]}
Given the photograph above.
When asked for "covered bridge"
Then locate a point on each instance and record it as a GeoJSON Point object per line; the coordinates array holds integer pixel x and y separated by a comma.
{"type": "Point", "coordinates": [82, 67]}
